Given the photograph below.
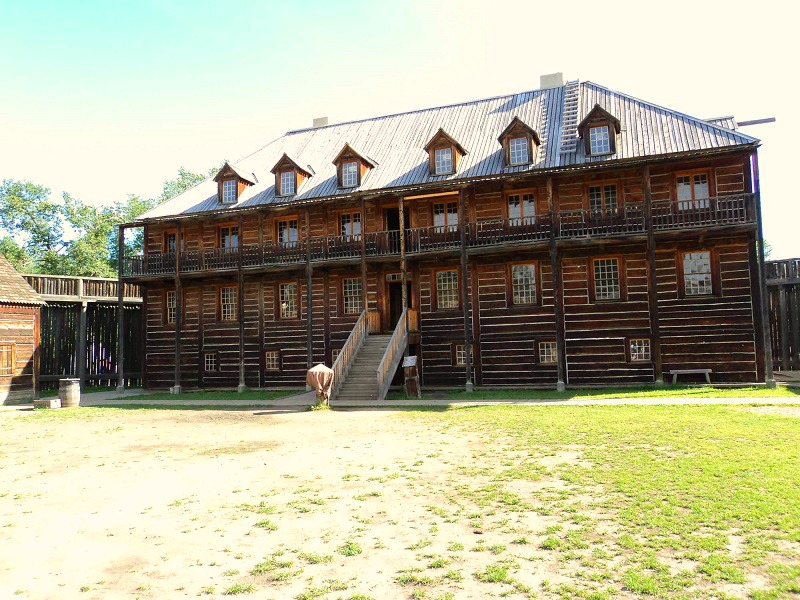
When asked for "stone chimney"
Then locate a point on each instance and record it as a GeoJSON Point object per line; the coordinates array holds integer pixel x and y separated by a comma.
{"type": "Point", "coordinates": [320, 122]}
{"type": "Point", "coordinates": [551, 80]}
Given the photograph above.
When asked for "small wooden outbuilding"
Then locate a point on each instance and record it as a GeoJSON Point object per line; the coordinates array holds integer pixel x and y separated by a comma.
{"type": "Point", "coordinates": [19, 336]}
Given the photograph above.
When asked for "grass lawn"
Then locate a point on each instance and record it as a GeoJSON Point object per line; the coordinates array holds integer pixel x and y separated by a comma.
{"type": "Point", "coordinates": [668, 391]}
{"type": "Point", "coordinates": [217, 395]}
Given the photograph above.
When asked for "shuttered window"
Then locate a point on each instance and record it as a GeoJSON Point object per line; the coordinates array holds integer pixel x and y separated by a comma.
{"type": "Point", "coordinates": [7, 359]}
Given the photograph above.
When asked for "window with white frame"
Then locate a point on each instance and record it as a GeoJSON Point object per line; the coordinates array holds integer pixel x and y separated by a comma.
{"type": "Point", "coordinates": [229, 237]}
{"type": "Point", "coordinates": [518, 151]}
{"type": "Point", "coordinates": [446, 289]}
{"type": "Point", "coordinates": [606, 279]}
{"type": "Point", "coordinates": [548, 353]}
{"type": "Point", "coordinates": [603, 200]}
{"type": "Point", "coordinates": [171, 302]}
{"type": "Point", "coordinates": [693, 191]}
{"type": "Point", "coordinates": [287, 296]}
{"type": "Point", "coordinates": [522, 209]}
{"type": "Point", "coordinates": [443, 161]}
{"type": "Point", "coordinates": [523, 283]}
{"type": "Point", "coordinates": [640, 350]}
{"type": "Point", "coordinates": [445, 216]}
{"type": "Point", "coordinates": [697, 279]}
{"type": "Point", "coordinates": [210, 361]}
{"type": "Point", "coordinates": [351, 294]}
{"type": "Point", "coordinates": [287, 232]}
{"type": "Point", "coordinates": [287, 183]}
{"type": "Point", "coordinates": [459, 355]}
{"type": "Point", "coordinates": [229, 189]}
{"type": "Point", "coordinates": [350, 174]}
{"type": "Point", "coordinates": [350, 224]}
{"type": "Point", "coordinates": [7, 358]}
{"type": "Point", "coordinates": [599, 141]}
{"type": "Point", "coordinates": [227, 304]}
{"type": "Point", "coordinates": [272, 360]}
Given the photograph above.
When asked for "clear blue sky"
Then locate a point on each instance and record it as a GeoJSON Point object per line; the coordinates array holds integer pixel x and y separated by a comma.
{"type": "Point", "coordinates": [103, 99]}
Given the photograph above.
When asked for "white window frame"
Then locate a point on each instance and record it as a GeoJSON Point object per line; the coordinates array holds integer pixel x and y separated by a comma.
{"type": "Point", "coordinates": [697, 282]}
{"type": "Point", "coordinates": [447, 289]}
{"type": "Point", "coordinates": [288, 300]}
{"type": "Point", "coordinates": [525, 283]}
{"type": "Point", "coordinates": [548, 353]}
{"type": "Point", "coordinates": [350, 174]}
{"type": "Point", "coordinates": [272, 360]}
{"type": "Point", "coordinates": [171, 301]}
{"type": "Point", "coordinates": [639, 349]}
{"type": "Point", "coordinates": [230, 191]}
{"type": "Point", "coordinates": [288, 181]}
{"type": "Point", "coordinates": [599, 143]}
{"type": "Point", "coordinates": [443, 163]}
{"type": "Point", "coordinates": [605, 286]}
{"type": "Point", "coordinates": [351, 296]}
{"type": "Point", "coordinates": [518, 151]}
{"type": "Point", "coordinates": [228, 304]}
{"type": "Point", "coordinates": [210, 362]}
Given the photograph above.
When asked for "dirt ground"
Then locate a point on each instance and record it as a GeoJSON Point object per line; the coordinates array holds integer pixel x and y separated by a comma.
{"type": "Point", "coordinates": [173, 504]}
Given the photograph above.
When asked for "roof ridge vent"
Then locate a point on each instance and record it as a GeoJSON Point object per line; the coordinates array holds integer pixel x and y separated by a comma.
{"type": "Point", "coordinates": [569, 120]}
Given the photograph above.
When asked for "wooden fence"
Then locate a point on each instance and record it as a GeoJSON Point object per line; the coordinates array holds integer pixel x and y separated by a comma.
{"type": "Point", "coordinates": [783, 287]}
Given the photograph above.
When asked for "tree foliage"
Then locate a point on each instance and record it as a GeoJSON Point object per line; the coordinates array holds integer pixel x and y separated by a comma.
{"type": "Point", "coordinates": [72, 237]}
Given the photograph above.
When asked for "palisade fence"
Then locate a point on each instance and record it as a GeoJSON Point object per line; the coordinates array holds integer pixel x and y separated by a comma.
{"type": "Point", "coordinates": [79, 331]}
{"type": "Point", "coordinates": [783, 288]}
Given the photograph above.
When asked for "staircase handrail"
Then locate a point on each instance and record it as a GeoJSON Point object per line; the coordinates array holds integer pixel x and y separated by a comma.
{"type": "Point", "coordinates": [392, 355]}
{"type": "Point", "coordinates": [344, 361]}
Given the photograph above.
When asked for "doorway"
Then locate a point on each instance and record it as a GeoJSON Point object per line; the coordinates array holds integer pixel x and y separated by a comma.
{"type": "Point", "coordinates": [394, 295]}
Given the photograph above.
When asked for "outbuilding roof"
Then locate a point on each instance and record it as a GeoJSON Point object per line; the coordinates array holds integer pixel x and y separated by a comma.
{"type": "Point", "coordinates": [397, 144]}
{"type": "Point", "coordinates": [13, 287]}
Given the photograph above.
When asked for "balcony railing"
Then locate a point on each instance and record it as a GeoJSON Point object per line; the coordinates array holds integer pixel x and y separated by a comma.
{"type": "Point", "coordinates": [628, 219]}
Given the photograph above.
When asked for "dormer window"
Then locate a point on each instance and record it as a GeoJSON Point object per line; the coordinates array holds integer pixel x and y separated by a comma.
{"type": "Point", "coordinates": [287, 183]}
{"type": "Point", "coordinates": [444, 161]}
{"type": "Point", "coordinates": [443, 154]}
{"type": "Point", "coordinates": [518, 141]}
{"type": "Point", "coordinates": [231, 182]}
{"type": "Point", "coordinates": [598, 130]}
{"type": "Point", "coordinates": [289, 176]}
{"type": "Point", "coordinates": [351, 167]}
{"type": "Point", "coordinates": [229, 192]}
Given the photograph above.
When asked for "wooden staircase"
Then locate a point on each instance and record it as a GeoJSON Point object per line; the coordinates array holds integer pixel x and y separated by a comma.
{"type": "Point", "coordinates": [361, 382]}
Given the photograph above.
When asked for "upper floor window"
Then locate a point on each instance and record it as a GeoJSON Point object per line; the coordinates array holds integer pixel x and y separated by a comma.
{"type": "Point", "coordinates": [350, 224]}
{"type": "Point", "coordinates": [603, 200]}
{"type": "Point", "coordinates": [606, 279]}
{"type": "Point", "coordinates": [446, 290]}
{"type": "Point", "coordinates": [227, 304]}
{"type": "Point", "coordinates": [518, 142]}
{"type": "Point", "coordinates": [289, 176]}
{"type": "Point", "coordinates": [693, 191]}
{"type": "Point", "coordinates": [599, 140]}
{"type": "Point", "coordinates": [170, 306]}
{"type": "Point", "coordinates": [229, 237]}
{"type": "Point", "coordinates": [518, 151]}
{"type": "Point", "coordinates": [7, 359]}
{"type": "Point", "coordinates": [445, 216]}
{"type": "Point", "coordinates": [522, 208]}
{"type": "Point", "coordinates": [287, 183]}
{"type": "Point", "coordinates": [229, 189]}
{"type": "Point", "coordinates": [170, 241]}
{"type": "Point", "coordinates": [350, 174]}
{"type": "Point", "coordinates": [598, 130]}
{"type": "Point", "coordinates": [443, 154]}
{"type": "Point", "coordinates": [351, 166]}
{"type": "Point", "coordinates": [444, 161]}
{"type": "Point", "coordinates": [287, 232]}
{"type": "Point", "coordinates": [697, 279]}
{"type": "Point", "coordinates": [523, 283]}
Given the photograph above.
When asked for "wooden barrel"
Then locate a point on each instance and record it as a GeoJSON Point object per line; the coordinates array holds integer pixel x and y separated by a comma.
{"type": "Point", "coordinates": [69, 390]}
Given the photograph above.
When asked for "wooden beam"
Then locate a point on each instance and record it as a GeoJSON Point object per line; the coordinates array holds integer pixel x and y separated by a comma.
{"type": "Point", "coordinates": [403, 271]}
{"type": "Point", "coordinates": [762, 285]}
{"type": "Point", "coordinates": [176, 388]}
{"type": "Point", "coordinates": [121, 309]}
{"type": "Point", "coordinates": [309, 308]}
{"type": "Point", "coordinates": [558, 292]}
{"type": "Point", "coordinates": [652, 277]}
{"type": "Point", "coordinates": [80, 346]}
{"type": "Point", "coordinates": [364, 297]}
{"type": "Point", "coordinates": [784, 325]}
{"type": "Point", "coordinates": [476, 325]}
{"type": "Point", "coordinates": [462, 218]}
{"type": "Point", "coordinates": [240, 305]}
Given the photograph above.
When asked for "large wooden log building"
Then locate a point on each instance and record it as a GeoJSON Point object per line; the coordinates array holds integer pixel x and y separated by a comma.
{"type": "Point", "coordinates": [571, 235]}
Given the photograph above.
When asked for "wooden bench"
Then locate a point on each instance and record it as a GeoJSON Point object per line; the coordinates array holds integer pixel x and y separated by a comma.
{"type": "Point", "coordinates": [676, 372]}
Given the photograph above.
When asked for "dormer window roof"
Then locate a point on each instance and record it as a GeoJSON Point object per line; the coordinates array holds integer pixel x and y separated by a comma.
{"type": "Point", "coordinates": [444, 152]}
{"type": "Point", "coordinates": [518, 141]}
{"type": "Point", "coordinates": [351, 167]}
{"type": "Point", "coordinates": [289, 176]}
{"type": "Point", "coordinates": [598, 131]}
{"type": "Point", "coordinates": [231, 181]}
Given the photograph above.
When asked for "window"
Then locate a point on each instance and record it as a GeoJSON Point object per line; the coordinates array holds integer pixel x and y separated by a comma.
{"type": "Point", "coordinates": [548, 353]}
{"type": "Point", "coordinates": [350, 174]}
{"type": "Point", "coordinates": [171, 304]}
{"type": "Point", "coordinates": [287, 296]}
{"type": "Point", "coordinates": [640, 350]}
{"type": "Point", "coordinates": [523, 284]}
{"type": "Point", "coordinates": [272, 360]}
{"type": "Point", "coordinates": [446, 290]}
{"type": "Point", "coordinates": [603, 200]}
{"type": "Point", "coordinates": [334, 355]}
{"type": "Point", "coordinates": [443, 158]}
{"type": "Point", "coordinates": [693, 191]}
{"type": "Point", "coordinates": [606, 279]}
{"type": "Point", "coordinates": [229, 237]}
{"type": "Point", "coordinates": [350, 224]}
{"type": "Point", "coordinates": [210, 362]}
{"type": "Point", "coordinates": [287, 232]}
{"type": "Point", "coordinates": [170, 242]}
{"type": "Point", "coordinates": [7, 359]}
{"type": "Point", "coordinates": [697, 279]}
{"type": "Point", "coordinates": [227, 304]}
{"type": "Point", "coordinates": [229, 189]}
{"type": "Point", "coordinates": [518, 151]}
{"type": "Point", "coordinates": [445, 216]}
{"type": "Point", "coordinates": [351, 294]}
{"type": "Point", "coordinates": [522, 209]}
{"type": "Point", "coordinates": [459, 356]}
{"type": "Point", "coordinates": [599, 141]}
{"type": "Point", "coordinates": [287, 183]}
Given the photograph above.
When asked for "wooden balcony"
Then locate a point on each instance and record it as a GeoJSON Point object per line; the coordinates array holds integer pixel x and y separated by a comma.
{"type": "Point", "coordinates": [623, 221]}
{"type": "Point", "coordinates": [77, 289]}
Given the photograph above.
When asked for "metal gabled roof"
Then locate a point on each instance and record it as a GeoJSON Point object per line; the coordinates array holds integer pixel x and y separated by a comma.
{"type": "Point", "coordinates": [397, 142]}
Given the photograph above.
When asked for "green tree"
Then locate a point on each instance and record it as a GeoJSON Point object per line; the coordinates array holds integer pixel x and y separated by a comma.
{"type": "Point", "coordinates": [16, 254]}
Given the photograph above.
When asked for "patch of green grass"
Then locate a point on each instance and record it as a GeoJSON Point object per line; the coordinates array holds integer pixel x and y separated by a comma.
{"type": "Point", "coordinates": [313, 558]}
{"type": "Point", "coordinates": [266, 524]}
{"type": "Point", "coordinates": [349, 548]}
{"type": "Point", "coordinates": [239, 588]}
{"type": "Point", "coordinates": [215, 395]}
{"type": "Point", "coordinates": [423, 543]}
{"type": "Point", "coordinates": [494, 573]}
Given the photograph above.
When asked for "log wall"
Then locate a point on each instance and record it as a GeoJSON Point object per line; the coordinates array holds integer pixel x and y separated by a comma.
{"type": "Point", "coordinates": [19, 325]}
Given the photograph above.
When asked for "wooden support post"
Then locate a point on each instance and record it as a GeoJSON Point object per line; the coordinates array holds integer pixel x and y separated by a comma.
{"type": "Point", "coordinates": [121, 312]}
{"type": "Point", "coordinates": [176, 388]}
{"type": "Point", "coordinates": [763, 313]}
{"type": "Point", "coordinates": [794, 311]}
{"type": "Point", "coordinates": [403, 269]}
{"type": "Point", "coordinates": [784, 325]}
{"type": "Point", "coordinates": [364, 297]}
{"type": "Point", "coordinates": [558, 293]}
{"type": "Point", "coordinates": [240, 308]}
{"type": "Point", "coordinates": [462, 218]}
{"type": "Point", "coordinates": [652, 278]}
{"type": "Point", "coordinates": [80, 351]}
{"type": "Point", "coordinates": [309, 307]}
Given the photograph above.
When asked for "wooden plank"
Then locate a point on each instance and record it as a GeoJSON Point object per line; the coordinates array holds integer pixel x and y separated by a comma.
{"type": "Point", "coordinates": [652, 282]}
{"type": "Point", "coordinates": [462, 202]}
